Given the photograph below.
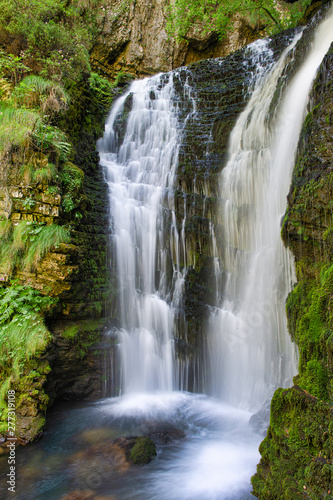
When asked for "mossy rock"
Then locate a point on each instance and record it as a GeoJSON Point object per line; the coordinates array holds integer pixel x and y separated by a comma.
{"type": "Point", "coordinates": [143, 451]}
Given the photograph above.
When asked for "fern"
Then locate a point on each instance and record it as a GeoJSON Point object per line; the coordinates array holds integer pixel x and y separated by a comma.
{"type": "Point", "coordinates": [27, 243]}
{"type": "Point", "coordinates": [5, 89]}
{"type": "Point", "coordinates": [35, 91]}
{"type": "Point", "coordinates": [16, 126]}
{"type": "Point", "coordinates": [23, 333]}
{"type": "Point", "coordinates": [49, 237]}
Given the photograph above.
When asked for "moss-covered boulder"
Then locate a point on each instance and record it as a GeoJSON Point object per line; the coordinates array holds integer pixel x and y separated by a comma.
{"type": "Point", "coordinates": [143, 451]}
{"type": "Point", "coordinates": [297, 453]}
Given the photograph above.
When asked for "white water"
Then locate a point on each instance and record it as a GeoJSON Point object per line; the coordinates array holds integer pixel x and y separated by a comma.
{"type": "Point", "coordinates": [251, 350]}
{"type": "Point", "coordinates": [141, 175]}
{"type": "Point", "coordinates": [251, 353]}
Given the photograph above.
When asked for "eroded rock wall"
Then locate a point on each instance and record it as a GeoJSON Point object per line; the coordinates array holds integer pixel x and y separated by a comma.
{"type": "Point", "coordinates": [134, 39]}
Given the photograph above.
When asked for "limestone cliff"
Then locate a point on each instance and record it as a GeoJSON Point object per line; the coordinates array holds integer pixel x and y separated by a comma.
{"type": "Point", "coordinates": [134, 39]}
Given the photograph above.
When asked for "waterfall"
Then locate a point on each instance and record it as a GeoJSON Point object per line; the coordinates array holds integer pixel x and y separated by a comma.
{"type": "Point", "coordinates": [251, 350]}
{"type": "Point", "coordinates": [207, 446]}
{"type": "Point", "coordinates": [140, 171]}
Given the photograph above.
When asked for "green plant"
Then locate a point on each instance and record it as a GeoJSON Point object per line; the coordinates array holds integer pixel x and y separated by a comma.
{"type": "Point", "coordinates": [47, 238]}
{"type": "Point", "coordinates": [11, 67]}
{"type": "Point", "coordinates": [29, 203]}
{"type": "Point", "coordinates": [102, 88]}
{"type": "Point", "coordinates": [52, 141]}
{"type": "Point", "coordinates": [220, 16]}
{"type": "Point", "coordinates": [72, 179]}
{"type": "Point", "coordinates": [122, 78]}
{"type": "Point", "coordinates": [37, 92]}
{"type": "Point", "coordinates": [5, 89]}
{"type": "Point", "coordinates": [38, 169]}
{"type": "Point", "coordinates": [71, 332]}
{"type": "Point", "coordinates": [16, 126]}
{"type": "Point", "coordinates": [26, 243]}
{"type": "Point", "coordinates": [23, 333]}
{"type": "Point", "coordinates": [53, 190]}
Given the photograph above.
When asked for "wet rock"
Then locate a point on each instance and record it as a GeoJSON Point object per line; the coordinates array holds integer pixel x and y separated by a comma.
{"type": "Point", "coordinates": [260, 420]}
{"type": "Point", "coordinates": [143, 451]}
{"type": "Point", "coordinates": [98, 462]}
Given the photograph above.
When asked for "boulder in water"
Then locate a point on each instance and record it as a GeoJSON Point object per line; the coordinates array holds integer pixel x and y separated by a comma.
{"type": "Point", "coordinates": [143, 451]}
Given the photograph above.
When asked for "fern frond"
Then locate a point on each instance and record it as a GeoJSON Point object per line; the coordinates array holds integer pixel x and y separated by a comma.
{"type": "Point", "coordinates": [49, 237]}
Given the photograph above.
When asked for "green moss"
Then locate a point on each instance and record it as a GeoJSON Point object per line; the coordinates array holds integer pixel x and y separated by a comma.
{"type": "Point", "coordinates": [71, 332]}
{"type": "Point", "coordinates": [297, 451]}
{"type": "Point", "coordinates": [310, 321]}
{"type": "Point", "coordinates": [143, 451]}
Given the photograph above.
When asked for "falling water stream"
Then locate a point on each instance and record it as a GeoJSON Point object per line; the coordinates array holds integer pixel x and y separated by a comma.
{"type": "Point", "coordinates": [213, 450]}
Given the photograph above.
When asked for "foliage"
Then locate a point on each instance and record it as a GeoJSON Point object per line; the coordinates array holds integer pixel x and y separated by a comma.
{"type": "Point", "coordinates": [101, 87]}
{"type": "Point", "coordinates": [72, 178]}
{"type": "Point", "coordinates": [122, 78]}
{"type": "Point", "coordinates": [219, 16]}
{"type": "Point", "coordinates": [11, 67]}
{"type": "Point", "coordinates": [54, 45]}
{"type": "Point", "coordinates": [38, 169]}
{"type": "Point", "coordinates": [71, 332]}
{"type": "Point", "coordinates": [5, 89]}
{"type": "Point", "coordinates": [48, 237]}
{"type": "Point", "coordinates": [26, 243]}
{"type": "Point", "coordinates": [23, 333]}
{"type": "Point", "coordinates": [25, 118]}
{"type": "Point", "coordinates": [16, 126]}
{"type": "Point", "coordinates": [37, 92]}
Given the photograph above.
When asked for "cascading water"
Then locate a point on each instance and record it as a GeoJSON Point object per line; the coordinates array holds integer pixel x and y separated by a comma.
{"type": "Point", "coordinates": [207, 449]}
{"type": "Point", "coordinates": [141, 174]}
{"type": "Point", "coordinates": [252, 352]}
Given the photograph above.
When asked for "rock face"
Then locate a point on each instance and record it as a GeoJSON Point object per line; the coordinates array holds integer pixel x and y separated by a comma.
{"type": "Point", "coordinates": [297, 454]}
{"type": "Point", "coordinates": [134, 39]}
{"type": "Point", "coordinates": [219, 99]}
{"type": "Point", "coordinates": [77, 273]}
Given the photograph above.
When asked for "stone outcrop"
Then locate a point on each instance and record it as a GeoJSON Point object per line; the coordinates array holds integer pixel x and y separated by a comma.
{"type": "Point", "coordinates": [219, 99]}
{"type": "Point", "coordinates": [134, 39]}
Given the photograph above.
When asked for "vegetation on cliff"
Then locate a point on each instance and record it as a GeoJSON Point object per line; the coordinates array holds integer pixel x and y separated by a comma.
{"type": "Point", "coordinates": [267, 16]}
{"type": "Point", "coordinates": [52, 109]}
